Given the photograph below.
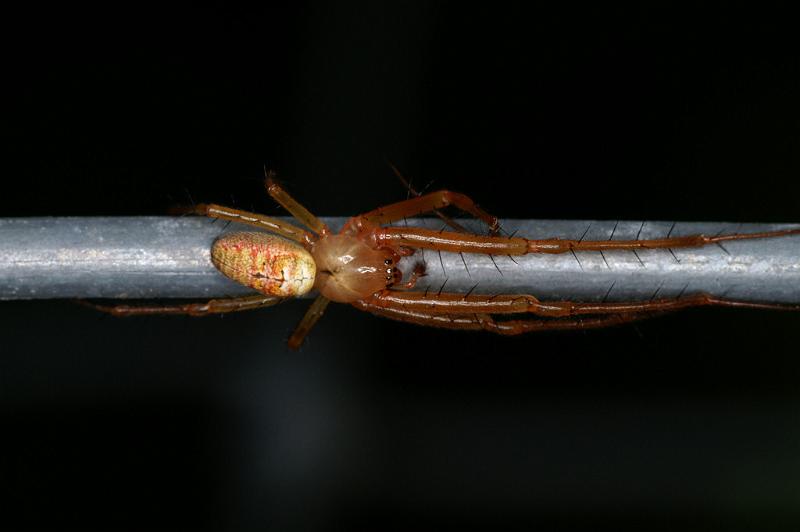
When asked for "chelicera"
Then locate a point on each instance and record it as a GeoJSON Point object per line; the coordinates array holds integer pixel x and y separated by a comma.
{"type": "Point", "coordinates": [358, 266]}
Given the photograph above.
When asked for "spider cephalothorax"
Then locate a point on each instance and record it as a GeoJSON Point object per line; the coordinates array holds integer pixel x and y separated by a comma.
{"type": "Point", "coordinates": [348, 269]}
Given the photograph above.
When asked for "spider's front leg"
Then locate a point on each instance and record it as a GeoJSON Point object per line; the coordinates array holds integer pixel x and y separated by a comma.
{"type": "Point", "coordinates": [451, 304]}
{"type": "Point", "coordinates": [486, 322]}
{"type": "Point", "coordinates": [431, 202]}
{"type": "Point", "coordinates": [416, 237]}
{"type": "Point", "coordinates": [478, 312]}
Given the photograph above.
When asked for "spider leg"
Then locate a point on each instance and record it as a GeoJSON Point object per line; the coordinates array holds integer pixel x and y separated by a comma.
{"type": "Point", "coordinates": [448, 304]}
{"type": "Point", "coordinates": [429, 203]}
{"type": "Point", "coordinates": [688, 241]}
{"type": "Point", "coordinates": [446, 219]}
{"type": "Point", "coordinates": [257, 220]}
{"type": "Point", "coordinates": [485, 322]}
{"type": "Point", "coordinates": [414, 237]}
{"type": "Point", "coordinates": [514, 327]}
{"type": "Point", "coordinates": [313, 314]}
{"type": "Point", "coordinates": [214, 306]}
{"type": "Point", "coordinates": [293, 207]}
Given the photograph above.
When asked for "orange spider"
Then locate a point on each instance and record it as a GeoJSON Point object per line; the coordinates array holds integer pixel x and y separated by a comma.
{"type": "Point", "coordinates": [358, 266]}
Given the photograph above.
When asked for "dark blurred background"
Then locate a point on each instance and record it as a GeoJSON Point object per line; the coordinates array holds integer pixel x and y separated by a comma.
{"type": "Point", "coordinates": [691, 421]}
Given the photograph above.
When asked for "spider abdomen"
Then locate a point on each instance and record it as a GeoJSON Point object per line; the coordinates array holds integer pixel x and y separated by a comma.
{"type": "Point", "coordinates": [265, 262]}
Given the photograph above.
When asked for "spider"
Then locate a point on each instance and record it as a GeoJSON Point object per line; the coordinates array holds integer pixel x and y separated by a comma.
{"type": "Point", "coordinates": [358, 266]}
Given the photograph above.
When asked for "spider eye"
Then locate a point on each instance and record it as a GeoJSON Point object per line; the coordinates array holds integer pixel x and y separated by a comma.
{"type": "Point", "coordinates": [387, 262]}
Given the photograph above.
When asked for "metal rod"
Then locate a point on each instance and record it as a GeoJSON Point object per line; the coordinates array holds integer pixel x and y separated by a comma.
{"type": "Point", "coordinates": [168, 257]}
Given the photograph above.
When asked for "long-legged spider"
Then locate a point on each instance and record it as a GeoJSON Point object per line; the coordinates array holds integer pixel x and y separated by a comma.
{"type": "Point", "coordinates": [358, 266]}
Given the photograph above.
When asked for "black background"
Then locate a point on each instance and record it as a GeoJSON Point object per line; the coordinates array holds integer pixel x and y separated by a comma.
{"type": "Point", "coordinates": [689, 421]}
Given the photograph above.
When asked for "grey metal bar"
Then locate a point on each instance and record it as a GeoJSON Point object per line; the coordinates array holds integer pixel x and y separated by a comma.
{"type": "Point", "coordinates": [168, 257]}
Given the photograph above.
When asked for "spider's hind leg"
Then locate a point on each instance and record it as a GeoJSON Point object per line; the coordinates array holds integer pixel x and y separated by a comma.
{"type": "Point", "coordinates": [214, 306]}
